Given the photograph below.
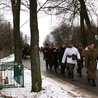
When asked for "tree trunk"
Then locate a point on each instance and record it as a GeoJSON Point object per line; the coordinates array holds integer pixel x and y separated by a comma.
{"type": "Point", "coordinates": [82, 29]}
{"type": "Point", "coordinates": [90, 33]}
{"type": "Point", "coordinates": [16, 30]}
{"type": "Point", "coordinates": [34, 54]}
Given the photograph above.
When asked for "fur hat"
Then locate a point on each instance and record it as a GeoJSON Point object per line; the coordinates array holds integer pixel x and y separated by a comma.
{"type": "Point", "coordinates": [91, 42]}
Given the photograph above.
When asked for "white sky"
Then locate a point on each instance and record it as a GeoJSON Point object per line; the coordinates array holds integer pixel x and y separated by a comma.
{"type": "Point", "coordinates": [45, 24]}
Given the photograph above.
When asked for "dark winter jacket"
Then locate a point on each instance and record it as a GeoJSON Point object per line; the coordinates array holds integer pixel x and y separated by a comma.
{"type": "Point", "coordinates": [60, 53]}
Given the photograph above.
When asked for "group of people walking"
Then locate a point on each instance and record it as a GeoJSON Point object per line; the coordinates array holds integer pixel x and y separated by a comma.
{"type": "Point", "coordinates": [68, 56]}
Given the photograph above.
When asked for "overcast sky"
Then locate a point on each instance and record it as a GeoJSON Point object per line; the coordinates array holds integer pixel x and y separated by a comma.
{"type": "Point", "coordinates": [45, 24]}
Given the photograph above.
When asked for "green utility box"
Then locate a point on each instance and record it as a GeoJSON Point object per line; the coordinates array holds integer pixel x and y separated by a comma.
{"type": "Point", "coordinates": [11, 74]}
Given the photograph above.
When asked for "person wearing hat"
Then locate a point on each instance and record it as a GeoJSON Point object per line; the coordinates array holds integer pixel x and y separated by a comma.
{"type": "Point", "coordinates": [70, 56]}
{"type": "Point", "coordinates": [91, 63]}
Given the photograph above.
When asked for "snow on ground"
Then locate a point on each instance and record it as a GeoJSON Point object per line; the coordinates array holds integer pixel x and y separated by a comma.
{"type": "Point", "coordinates": [50, 89]}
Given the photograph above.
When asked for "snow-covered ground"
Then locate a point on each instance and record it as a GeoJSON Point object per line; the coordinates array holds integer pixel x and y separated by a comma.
{"type": "Point", "coordinates": [50, 88]}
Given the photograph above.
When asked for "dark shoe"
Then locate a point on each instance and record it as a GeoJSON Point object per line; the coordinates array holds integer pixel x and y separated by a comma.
{"type": "Point", "coordinates": [68, 75]}
{"type": "Point", "coordinates": [63, 75]}
{"type": "Point", "coordinates": [72, 80]}
{"type": "Point", "coordinates": [50, 69]}
{"type": "Point", "coordinates": [88, 80]}
{"type": "Point", "coordinates": [93, 83]}
{"type": "Point", "coordinates": [77, 71]}
{"type": "Point", "coordinates": [55, 71]}
{"type": "Point", "coordinates": [80, 75]}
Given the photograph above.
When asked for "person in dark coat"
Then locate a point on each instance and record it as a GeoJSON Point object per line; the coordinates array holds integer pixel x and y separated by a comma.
{"type": "Point", "coordinates": [48, 57]}
{"type": "Point", "coordinates": [54, 57]}
{"type": "Point", "coordinates": [80, 62]}
{"type": "Point", "coordinates": [91, 63]}
{"type": "Point", "coordinates": [25, 51]}
{"type": "Point", "coordinates": [60, 55]}
{"type": "Point", "coordinates": [45, 50]}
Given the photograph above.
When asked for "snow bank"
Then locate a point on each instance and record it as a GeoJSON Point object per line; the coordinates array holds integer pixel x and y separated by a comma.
{"type": "Point", "coordinates": [51, 88]}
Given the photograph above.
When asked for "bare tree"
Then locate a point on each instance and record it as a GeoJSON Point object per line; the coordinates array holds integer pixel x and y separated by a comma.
{"type": "Point", "coordinates": [16, 30]}
{"type": "Point", "coordinates": [6, 35]}
{"type": "Point", "coordinates": [35, 61]}
{"type": "Point", "coordinates": [68, 10]}
{"type": "Point", "coordinates": [63, 34]}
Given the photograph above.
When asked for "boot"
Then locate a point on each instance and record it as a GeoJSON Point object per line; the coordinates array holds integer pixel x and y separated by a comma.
{"type": "Point", "coordinates": [77, 70]}
{"type": "Point", "coordinates": [80, 74]}
{"type": "Point", "coordinates": [93, 82]}
{"type": "Point", "coordinates": [88, 80]}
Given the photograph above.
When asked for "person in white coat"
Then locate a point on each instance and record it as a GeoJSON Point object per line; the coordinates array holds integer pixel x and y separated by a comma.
{"type": "Point", "coordinates": [70, 56]}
